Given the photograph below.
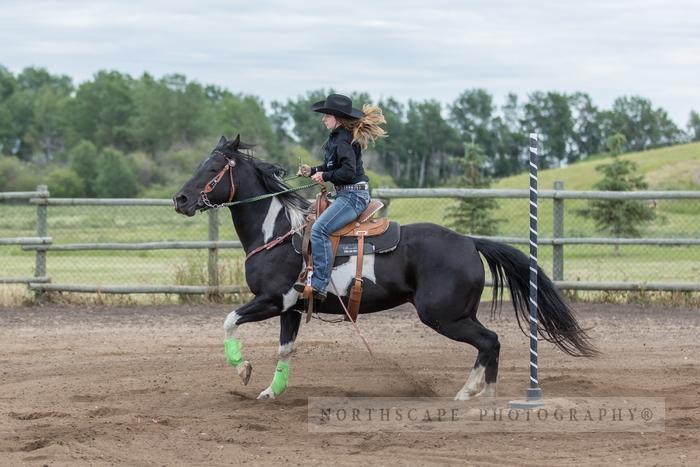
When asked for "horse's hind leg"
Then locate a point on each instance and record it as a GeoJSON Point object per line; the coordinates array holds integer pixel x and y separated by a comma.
{"type": "Point", "coordinates": [461, 325]}
{"type": "Point", "coordinates": [486, 365]}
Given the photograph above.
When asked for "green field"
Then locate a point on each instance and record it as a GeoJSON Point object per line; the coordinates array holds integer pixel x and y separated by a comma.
{"type": "Point", "coordinates": [671, 168]}
{"type": "Point", "coordinates": [675, 167]}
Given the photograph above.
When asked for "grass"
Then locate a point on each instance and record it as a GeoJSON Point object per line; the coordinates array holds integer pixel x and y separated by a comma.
{"type": "Point", "coordinates": [671, 168]}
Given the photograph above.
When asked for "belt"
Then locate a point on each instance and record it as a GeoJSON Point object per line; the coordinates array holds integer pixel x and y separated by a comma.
{"type": "Point", "coordinates": [356, 187]}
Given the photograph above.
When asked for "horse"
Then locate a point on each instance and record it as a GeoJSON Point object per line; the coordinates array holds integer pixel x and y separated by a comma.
{"type": "Point", "coordinates": [434, 268]}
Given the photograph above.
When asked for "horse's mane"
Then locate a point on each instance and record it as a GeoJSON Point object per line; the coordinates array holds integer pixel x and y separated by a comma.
{"type": "Point", "coordinates": [270, 175]}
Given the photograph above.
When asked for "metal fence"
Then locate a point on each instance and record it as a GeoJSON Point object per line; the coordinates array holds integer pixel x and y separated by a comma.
{"type": "Point", "coordinates": [142, 246]}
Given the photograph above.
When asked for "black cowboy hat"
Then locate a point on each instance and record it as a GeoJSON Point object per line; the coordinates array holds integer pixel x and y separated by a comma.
{"type": "Point", "coordinates": [337, 105]}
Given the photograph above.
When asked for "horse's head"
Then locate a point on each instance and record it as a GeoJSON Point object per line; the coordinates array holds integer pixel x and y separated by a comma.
{"type": "Point", "coordinates": [215, 180]}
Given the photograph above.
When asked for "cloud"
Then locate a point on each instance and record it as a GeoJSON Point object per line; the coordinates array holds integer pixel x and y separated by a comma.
{"type": "Point", "coordinates": [406, 49]}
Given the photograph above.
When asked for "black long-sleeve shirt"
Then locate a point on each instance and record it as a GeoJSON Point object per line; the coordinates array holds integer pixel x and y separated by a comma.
{"type": "Point", "coordinates": [342, 164]}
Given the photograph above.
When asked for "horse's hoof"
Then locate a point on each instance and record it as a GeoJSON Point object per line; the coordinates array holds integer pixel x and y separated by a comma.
{"type": "Point", "coordinates": [488, 391]}
{"type": "Point", "coordinates": [244, 371]}
{"type": "Point", "coordinates": [267, 395]}
{"type": "Point", "coordinates": [463, 396]}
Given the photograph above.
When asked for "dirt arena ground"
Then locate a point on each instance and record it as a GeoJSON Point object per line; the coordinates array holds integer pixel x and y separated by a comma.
{"type": "Point", "coordinates": [149, 386]}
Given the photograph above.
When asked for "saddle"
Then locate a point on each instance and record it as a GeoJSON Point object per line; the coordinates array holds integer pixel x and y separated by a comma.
{"type": "Point", "coordinates": [364, 235]}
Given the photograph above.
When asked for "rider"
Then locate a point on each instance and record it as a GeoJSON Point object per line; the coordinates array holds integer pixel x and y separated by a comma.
{"type": "Point", "coordinates": [351, 131]}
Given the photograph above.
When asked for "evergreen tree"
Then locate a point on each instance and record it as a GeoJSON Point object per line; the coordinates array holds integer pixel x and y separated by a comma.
{"type": "Point", "coordinates": [619, 218]}
{"type": "Point", "coordinates": [473, 216]}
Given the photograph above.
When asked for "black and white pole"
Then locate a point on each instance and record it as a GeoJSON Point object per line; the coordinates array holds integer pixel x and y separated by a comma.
{"type": "Point", "coordinates": [534, 392]}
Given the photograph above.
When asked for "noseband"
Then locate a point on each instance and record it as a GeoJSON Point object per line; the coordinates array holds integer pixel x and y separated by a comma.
{"type": "Point", "coordinates": [209, 187]}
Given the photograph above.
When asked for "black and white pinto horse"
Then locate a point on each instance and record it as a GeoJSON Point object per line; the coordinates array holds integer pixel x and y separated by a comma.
{"type": "Point", "coordinates": [437, 270]}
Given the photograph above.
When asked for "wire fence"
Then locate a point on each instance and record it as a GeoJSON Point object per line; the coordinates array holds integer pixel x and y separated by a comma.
{"type": "Point", "coordinates": [668, 250]}
{"type": "Point", "coordinates": [671, 253]}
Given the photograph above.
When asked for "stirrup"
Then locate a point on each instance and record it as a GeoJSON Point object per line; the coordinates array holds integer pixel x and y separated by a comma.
{"type": "Point", "coordinates": [299, 286]}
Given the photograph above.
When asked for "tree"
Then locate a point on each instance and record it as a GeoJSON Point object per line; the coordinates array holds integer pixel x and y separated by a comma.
{"type": "Point", "coordinates": [65, 183]}
{"type": "Point", "coordinates": [430, 142]}
{"type": "Point", "coordinates": [306, 125]}
{"type": "Point", "coordinates": [115, 177]}
{"type": "Point", "coordinates": [550, 115]}
{"type": "Point", "coordinates": [694, 126]}
{"type": "Point", "coordinates": [32, 116]}
{"type": "Point", "coordinates": [84, 162]}
{"type": "Point", "coordinates": [392, 150]}
{"type": "Point", "coordinates": [472, 114]}
{"type": "Point", "coordinates": [587, 137]}
{"type": "Point", "coordinates": [511, 145]}
{"type": "Point", "coordinates": [643, 126]}
{"type": "Point", "coordinates": [619, 218]}
{"type": "Point", "coordinates": [473, 216]}
{"type": "Point", "coordinates": [8, 84]}
{"type": "Point", "coordinates": [102, 109]}
{"type": "Point", "coordinates": [47, 131]}
{"type": "Point", "coordinates": [245, 115]}
{"type": "Point", "coordinates": [16, 175]}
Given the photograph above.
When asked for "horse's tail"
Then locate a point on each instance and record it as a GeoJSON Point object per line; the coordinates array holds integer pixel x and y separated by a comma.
{"type": "Point", "coordinates": [556, 321]}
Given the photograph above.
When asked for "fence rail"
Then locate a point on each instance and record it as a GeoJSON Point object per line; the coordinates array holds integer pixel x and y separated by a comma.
{"type": "Point", "coordinates": [216, 244]}
{"type": "Point", "coordinates": [390, 193]}
{"type": "Point", "coordinates": [42, 243]}
{"type": "Point", "coordinates": [558, 240]}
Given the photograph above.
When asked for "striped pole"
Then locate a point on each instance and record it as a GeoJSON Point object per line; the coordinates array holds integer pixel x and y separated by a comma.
{"type": "Point", "coordinates": [534, 392]}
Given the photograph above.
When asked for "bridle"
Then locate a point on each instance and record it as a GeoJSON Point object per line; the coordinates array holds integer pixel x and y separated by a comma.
{"type": "Point", "coordinates": [209, 187]}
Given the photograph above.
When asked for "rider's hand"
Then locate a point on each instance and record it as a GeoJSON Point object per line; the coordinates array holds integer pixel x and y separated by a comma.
{"type": "Point", "coordinates": [317, 177]}
{"type": "Point", "coordinates": [304, 171]}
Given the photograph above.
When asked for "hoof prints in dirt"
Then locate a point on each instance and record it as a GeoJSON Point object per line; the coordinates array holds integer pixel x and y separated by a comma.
{"type": "Point", "coordinates": [36, 444]}
{"type": "Point", "coordinates": [36, 415]}
{"type": "Point", "coordinates": [106, 412]}
{"type": "Point", "coordinates": [86, 398]}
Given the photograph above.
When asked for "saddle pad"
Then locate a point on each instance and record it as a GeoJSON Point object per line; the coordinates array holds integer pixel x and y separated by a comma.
{"type": "Point", "coordinates": [383, 243]}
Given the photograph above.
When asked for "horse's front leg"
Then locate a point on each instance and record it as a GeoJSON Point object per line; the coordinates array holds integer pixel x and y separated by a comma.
{"type": "Point", "coordinates": [289, 326]}
{"type": "Point", "coordinates": [258, 309]}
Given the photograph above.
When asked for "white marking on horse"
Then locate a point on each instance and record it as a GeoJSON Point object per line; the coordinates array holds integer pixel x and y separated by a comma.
{"type": "Point", "coordinates": [474, 382]}
{"type": "Point", "coordinates": [294, 213]}
{"type": "Point", "coordinates": [488, 391]}
{"type": "Point", "coordinates": [231, 324]}
{"type": "Point", "coordinates": [289, 299]}
{"type": "Point", "coordinates": [343, 275]}
{"type": "Point", "coordinates": [285, 351]}
{"type": "Point", "coordinates": [268, 226]}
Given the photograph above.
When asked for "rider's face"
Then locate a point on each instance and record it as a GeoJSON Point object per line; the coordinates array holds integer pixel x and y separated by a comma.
{"type": "Point", "coordinates": [330, 121]}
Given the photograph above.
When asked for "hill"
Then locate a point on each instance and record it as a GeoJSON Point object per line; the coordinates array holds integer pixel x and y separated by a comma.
{"type": "Point", "coordinates": [670, 168]}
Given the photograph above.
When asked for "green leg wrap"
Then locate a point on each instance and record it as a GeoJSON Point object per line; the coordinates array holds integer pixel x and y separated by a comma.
{"type": "Point", "coordinates": [232, 348]}
{"type": "Point", "coordinates": [281, 378]}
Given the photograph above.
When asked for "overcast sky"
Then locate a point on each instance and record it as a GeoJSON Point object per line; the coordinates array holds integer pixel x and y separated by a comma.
{"type": "Point", "coordinates": [394, 48]}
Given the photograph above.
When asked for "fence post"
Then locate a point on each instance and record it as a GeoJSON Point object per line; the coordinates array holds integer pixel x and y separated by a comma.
{"type": "Point", "coordinates": [384, 211]}
{"type": "Point", "coordinates": [558, 232]}
{"type": "Point", "coordinates": [213, 260]}
{"type": "Point", "coordinates": [41, 231]}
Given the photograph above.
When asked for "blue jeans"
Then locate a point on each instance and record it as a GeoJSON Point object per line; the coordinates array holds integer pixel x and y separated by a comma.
{"type": "Point", "coordinates": [347, 206]}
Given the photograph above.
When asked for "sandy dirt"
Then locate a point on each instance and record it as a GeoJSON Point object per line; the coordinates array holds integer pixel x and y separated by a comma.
{"type": "Point", "coordinates": [149, 386]}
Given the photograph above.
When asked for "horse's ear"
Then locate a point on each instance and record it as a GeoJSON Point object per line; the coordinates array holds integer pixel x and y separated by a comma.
{"type": "Point", "coordinates": [235, 143]}
{"type": "Point", "coordinates": [221, 143]}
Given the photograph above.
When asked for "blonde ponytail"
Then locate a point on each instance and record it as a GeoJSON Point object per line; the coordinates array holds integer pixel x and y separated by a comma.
{"type": "Point", "coordinates": [367, 128]}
